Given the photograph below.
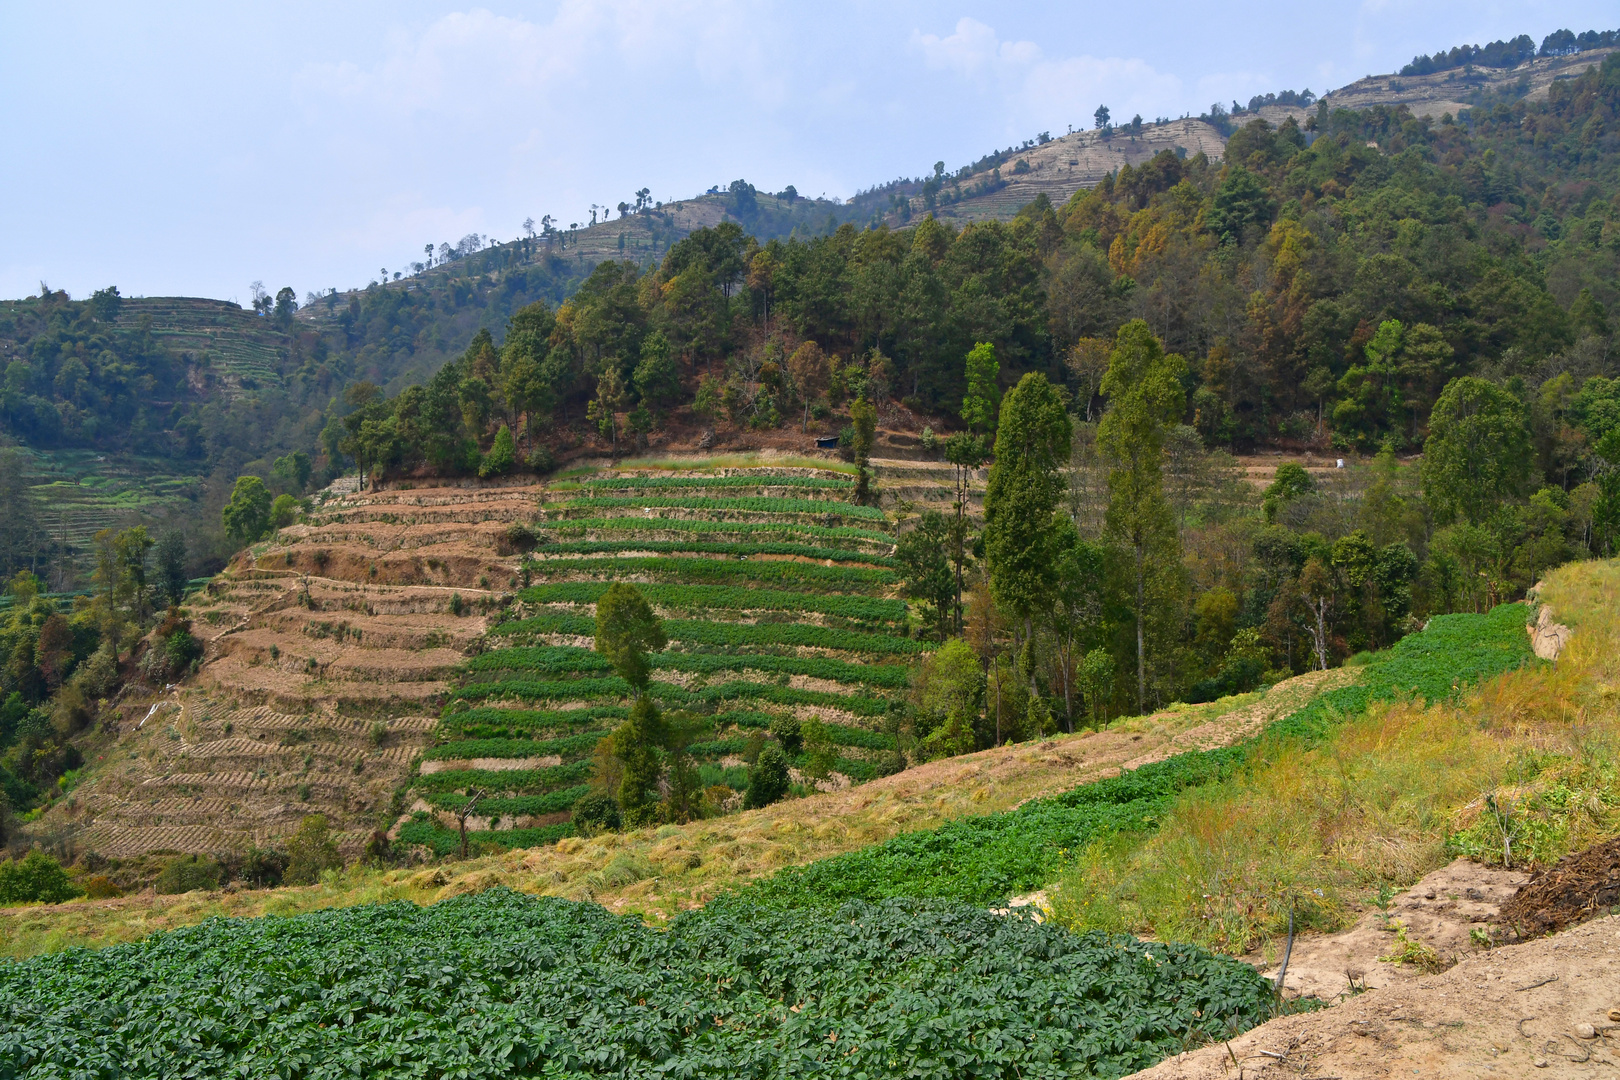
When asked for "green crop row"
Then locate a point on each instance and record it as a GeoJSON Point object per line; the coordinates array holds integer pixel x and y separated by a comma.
{"type": "Point", "coordinates": [499, 984]}
{"type": "Point", "coordinates": [865, 609]}
{"type": "Point", "coordinates": [614, 483]}
{"type": "Point", "coordinates": [758, 504]}
{"type": "Point", "coordinates": [571, 658]}
{"type": "Point", "coordinates": [1452, 652]}
{"type": "Point", "coordinates": [668, 694]}
{"type": "Point", "coordinates": [704, 529]}
{"type": "Point", "coordinates": [701, 547]}
{"type": "Point", "coordinates": [553, 802]}
{"type": "Point", "coordinates": [532, 781]}
{"type": "Point", "coordinates": [443, 841]}
{"type": "Point", "coordinates": [729, 635]}
{"type": "Point", "coordinates": [466, 749]}
{"type": "Point", "coordinates": [488, 723]}
{"type": "Point", "coordinates": [694, 571]}
{"type": "Point", "coordinates": [537, 690]}
{"type": "Point", "coordinates": [984, 860]}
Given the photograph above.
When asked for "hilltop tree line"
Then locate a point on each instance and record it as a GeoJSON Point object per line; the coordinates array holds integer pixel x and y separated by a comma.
{"type": "Point", "coordinates": [1508, 54]}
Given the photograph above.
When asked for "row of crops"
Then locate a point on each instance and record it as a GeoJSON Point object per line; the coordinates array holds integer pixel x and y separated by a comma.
{"type": "Point", "coordinates": [780, 600]}
{"type": "Point", "coordinates": [500, 984]}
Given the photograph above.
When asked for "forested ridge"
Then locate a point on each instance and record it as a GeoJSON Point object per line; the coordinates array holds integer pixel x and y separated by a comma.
{"type": "Point", "coordinates": [1491, 239]}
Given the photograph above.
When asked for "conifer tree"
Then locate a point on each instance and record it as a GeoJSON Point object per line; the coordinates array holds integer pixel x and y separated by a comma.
{"type": "Point", "coordinates": [1145, 396]}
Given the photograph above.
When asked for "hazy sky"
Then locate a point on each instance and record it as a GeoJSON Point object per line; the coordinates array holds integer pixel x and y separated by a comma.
{"type": "Point", "coordinates": [190, 149]}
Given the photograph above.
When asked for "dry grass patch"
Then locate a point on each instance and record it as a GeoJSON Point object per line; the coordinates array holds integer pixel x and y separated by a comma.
{"type": "Point", "coordinates": [1521, 770]}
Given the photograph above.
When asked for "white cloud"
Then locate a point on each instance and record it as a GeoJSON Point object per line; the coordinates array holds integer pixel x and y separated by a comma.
{"type": "Point", "coordinates": [464, 63]}
{"type": "Point", "coordinates": [975, 50]}
{"type": "Point", "coordinates": [1037, 88]}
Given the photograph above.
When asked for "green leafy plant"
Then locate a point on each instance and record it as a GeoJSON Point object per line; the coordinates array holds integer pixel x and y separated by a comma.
{"type": "Point", "coordinates": [498, 982]}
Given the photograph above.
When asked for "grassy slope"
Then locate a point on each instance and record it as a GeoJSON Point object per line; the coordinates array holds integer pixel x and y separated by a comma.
{"type": "Point", "coordinates": [1392, 794]}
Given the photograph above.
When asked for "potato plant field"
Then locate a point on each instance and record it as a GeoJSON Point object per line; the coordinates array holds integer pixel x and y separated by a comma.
{"type": "Point", "coordinates": [500, 984]}
{"type": "Point", "coordinates": [767, 620]}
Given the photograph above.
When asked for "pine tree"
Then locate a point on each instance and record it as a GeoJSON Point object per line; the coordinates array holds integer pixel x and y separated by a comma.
{"type": "Point", "coordinates": [1145, 395]}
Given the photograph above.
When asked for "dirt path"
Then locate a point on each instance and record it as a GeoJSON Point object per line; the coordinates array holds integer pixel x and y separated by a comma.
{"type": "Point", "coordinates": [1547, 1008]}
{"type": "Point", "coordinates": [1449, 911]}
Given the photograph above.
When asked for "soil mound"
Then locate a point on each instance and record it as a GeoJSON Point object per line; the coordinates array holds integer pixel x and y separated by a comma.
{"type": "Point", "coordinates": [1578, 887]}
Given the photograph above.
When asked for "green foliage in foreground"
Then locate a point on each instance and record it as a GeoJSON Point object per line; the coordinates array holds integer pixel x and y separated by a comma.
{"type": "Point", "coordinates": [500, 984]}
{"type": "Point", "coordinates": [984, 860]}
{"type": "Point", "coordinates": [728, 635]}
{"type": "Point", "coordinates": [755, 503]}
{"type": "Point", "coordinates": [769, 572]}
{"type": "Point", "coordinates": [863, 609]}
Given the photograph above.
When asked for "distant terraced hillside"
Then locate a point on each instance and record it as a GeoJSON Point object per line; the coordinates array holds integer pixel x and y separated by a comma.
{"type": "Point", "coordinates": [239, 348]}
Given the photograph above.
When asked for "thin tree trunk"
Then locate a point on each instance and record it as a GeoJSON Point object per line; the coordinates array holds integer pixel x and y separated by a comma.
{"type": "Point", "coordinates": [998, 704]}
{"type": "Point", "coordinates": [1067, 660]}
{"type": "Point", "coordinates": [1141, 657]}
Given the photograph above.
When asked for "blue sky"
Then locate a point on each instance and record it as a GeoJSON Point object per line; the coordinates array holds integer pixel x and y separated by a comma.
{"type": "Point", "coordinates": [193, 148]}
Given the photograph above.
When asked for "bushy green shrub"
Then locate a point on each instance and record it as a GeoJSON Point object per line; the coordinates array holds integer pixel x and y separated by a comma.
{"type": "Point", "coordinates": [263, 868]}
{"type": "Point", "coordinates": [182, 650]}
{"type": "Point", "coordinates": [502, 455]}
{"type": "Point", "coordinates": [767, 780]}
{"type": "Point", "coordinates": [189, 873]}
{"type": "Point", "coordinates": [541, 460]}
{"type": "Point", "coordinates": [36, 878]}
{"type": "Point", "coordinates": [785, 730]}
{"type": "Point", "coordinates": [596, 813]}
{"type": "Point", "coordinates": [311, 850]}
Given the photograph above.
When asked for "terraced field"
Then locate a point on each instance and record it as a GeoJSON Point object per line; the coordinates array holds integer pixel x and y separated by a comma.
{"type": "Point", "coordinates": [239, 346]}
{"type": "Point", "coordinates": [780, 600]}
{"type": "Point", "coordinates": [348, 671]}
{"type": "Point", "coordinates": [329, 652]}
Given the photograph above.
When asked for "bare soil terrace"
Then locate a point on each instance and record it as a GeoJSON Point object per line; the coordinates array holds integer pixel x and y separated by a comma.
{"type": "Point", "coordinates": [327, 655]}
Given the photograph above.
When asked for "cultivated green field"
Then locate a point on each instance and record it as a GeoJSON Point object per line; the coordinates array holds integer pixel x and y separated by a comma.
{"type": "Point", "coordinates": [775, 610]}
